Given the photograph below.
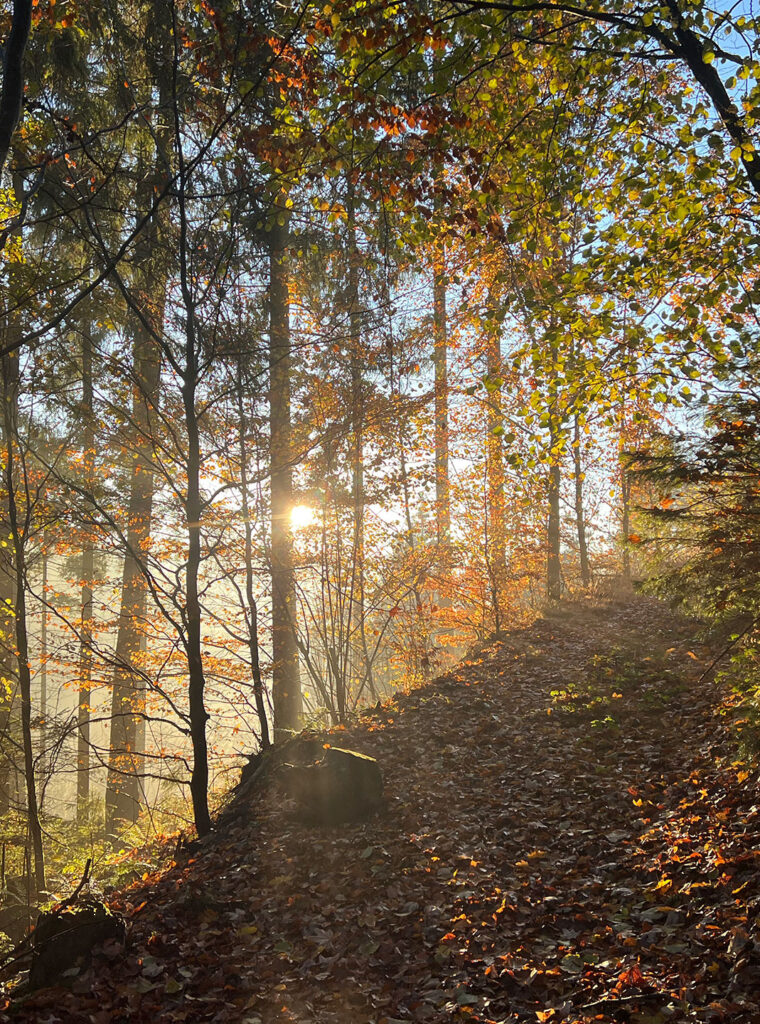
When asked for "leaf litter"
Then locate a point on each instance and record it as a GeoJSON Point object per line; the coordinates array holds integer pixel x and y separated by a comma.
{"type": "Point", "coordinates": [568, 837]}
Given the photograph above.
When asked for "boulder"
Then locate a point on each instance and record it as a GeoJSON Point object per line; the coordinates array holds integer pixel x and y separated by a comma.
{"type": "Point", "coordinates": [65, 937]}
{"type": "Point", "coordinates": [15, 918]}
{"type": "Point", "coordinates": [343, 785]}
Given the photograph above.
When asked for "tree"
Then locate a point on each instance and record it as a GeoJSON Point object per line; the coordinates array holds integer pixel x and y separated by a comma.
{"type": "Point", "coordinates": [147, 324]}
{"type": "Point", "coordinates": [12, 95]}
{"type": "Point", "coordinates": [684, 33]}
{"type": "Point", "coordinates": [285, 682]}
{"type": "Point", "coordinates": [18, 526]}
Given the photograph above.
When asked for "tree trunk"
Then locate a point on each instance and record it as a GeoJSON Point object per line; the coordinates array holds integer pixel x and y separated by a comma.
{"type": "Point", "coordinates": [124, 766]}
{"type": "Point", "coordinates": [127, 733]}
{"type": "Point", "coordinates": [88, 571]}
{"type": "Point", "coordinates": [553, 567]}
{"type": "Point", "coordinates": [497, 546]}
{"type": "Point", "coordinates": [625, 495]}
{"type": "Point", "coordinates": [251, 611]}
{"type": "Point", "coordinates": [286, 685]}
{"type": "Point", "coordinates": [8, 680]}
{"type": "Point", "coordinates": [580, 518]}
{"type": "Point", "coordinates": [196, 683]}
{"type": "Point", "coordinates": [362, 659]}
{"type": "Point", "coordinates": [440, 361]}
{"type": "Point", "coordinates": [41, 757]}
{"type": "Point", "coordinates": [18, 531]}
{"type": "Point", "coordinates": [12, 97]}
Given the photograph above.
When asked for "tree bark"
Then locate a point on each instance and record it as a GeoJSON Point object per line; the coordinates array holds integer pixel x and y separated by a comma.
{"type": "Point", "coordinates": [8, 679]}
{"type": "Point", "coordinates": [128, 695]}
{"type": "Point", "coordinates": [625, 496]}
{"type": "Point", "coordinates": [497, 532]}
{"type": "Point", "coordinates": [41, 757]}
{"type": "Point", "coordinates": [196, 682]}
{"type": "Point", "coordinates": [440, 362]}
{"type": "Point", "coordinates": [88, 572]}
{"type": "Point", "coordinates": [12, 97]}
{"type": "Point", "coordinates": [363, 661]}
{"type": "Point", "coordinates": [123, 784]}
{"type": "Point", "coordinates": [286, 685]}
{"type": "Point", "coordinates": [553, 565]}
{"type": "Point", "coordinates": [251, 611]}
{"type": "Point", "coordinates": [580, 518]}
{"type": "Point", "coordinates": [18, 531]}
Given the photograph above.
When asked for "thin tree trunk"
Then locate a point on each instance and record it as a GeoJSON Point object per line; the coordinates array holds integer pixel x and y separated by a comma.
{"type": "Point", "coordinates": [18, 531]}
{"type": "Point", "coordinates": [625, 498]}
{"type": "Point", "coordinates": [580, 518]}
{"type": "Point", "coordinates": [41, 757]}
{"type": "Point", "coordinates": [251, 611]}
{"type": "Point", "coordinates": [10, 373]}
{"type": "Point", "coordinates": [497, 553]}
{"type": "Point", "coordinates": [440, 361]}
{"type": "Point", "coordinates": [286, 686]}
{"type": "Point", "coordinates": [7, 648]}
{"type": "Point", "coordinates": [196, 682]}
{"type": "Point", "coordinates": [625, 494]}
{"type": "Point", "coordinates": [88, 572]}
{"type": "Point", "coordinates": [553, 567]}
{"type": "Point", "coordinates": [424, 627]}
{"type": "Point", "coordinates": [357, 449]}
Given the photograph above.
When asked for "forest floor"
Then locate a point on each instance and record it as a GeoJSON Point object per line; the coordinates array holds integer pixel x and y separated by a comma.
{"type": "Point", "coordinates": [568, 836]}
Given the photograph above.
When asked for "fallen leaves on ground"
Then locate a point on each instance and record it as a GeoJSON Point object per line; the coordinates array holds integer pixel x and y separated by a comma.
{"type": "Point", "coordinates": [567, 838]}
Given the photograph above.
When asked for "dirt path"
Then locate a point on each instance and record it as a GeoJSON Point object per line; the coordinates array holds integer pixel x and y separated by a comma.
{"type": "Point", "coordinates": [565, 839]}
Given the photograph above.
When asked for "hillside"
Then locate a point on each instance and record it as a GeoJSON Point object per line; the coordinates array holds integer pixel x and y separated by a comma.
{"type": "Point", "coordinates": [567, 837]}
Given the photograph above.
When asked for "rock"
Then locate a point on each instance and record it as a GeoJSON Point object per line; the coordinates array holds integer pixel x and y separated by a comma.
{"type": "Point", "coordinates": [15, 919]}
{"type": "Point", "coordinates": [301, 749]}
{"type": "Point", "coordinates": [343, 785]}
{"type": "Point", "coordinates": [66, 936]}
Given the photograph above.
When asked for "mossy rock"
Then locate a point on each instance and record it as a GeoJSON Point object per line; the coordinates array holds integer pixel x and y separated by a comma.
{"type": "Point", "coordinates": [66, 936]}
{"type": "Point", "coordinates": [342, 786]}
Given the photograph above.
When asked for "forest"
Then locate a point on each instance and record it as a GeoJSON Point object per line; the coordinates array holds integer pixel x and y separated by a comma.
{"type": "Point", "coordinates": [339, 341]}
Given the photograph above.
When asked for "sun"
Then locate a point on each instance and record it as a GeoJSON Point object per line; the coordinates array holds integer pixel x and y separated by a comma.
{"type": "Point", "coordinates": [301, 516]}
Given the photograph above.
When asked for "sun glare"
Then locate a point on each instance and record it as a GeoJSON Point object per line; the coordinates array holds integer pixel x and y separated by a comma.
{"type": "Point", "coordinates": [301, 516]}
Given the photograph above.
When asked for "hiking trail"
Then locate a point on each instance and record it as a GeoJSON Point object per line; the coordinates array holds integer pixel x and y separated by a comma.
{"type": "Point", "coordinates": [568, 835]}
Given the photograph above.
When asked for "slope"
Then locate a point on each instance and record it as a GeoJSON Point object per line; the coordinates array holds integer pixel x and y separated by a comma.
{"type": "Point", "coordinates": [567, 837]}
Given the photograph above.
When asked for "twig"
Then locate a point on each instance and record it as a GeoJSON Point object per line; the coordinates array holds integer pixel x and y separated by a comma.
{"type": "Point", "coordinates": [623, 1000]}
{"type": "Point", "coordinates": [85, 879]}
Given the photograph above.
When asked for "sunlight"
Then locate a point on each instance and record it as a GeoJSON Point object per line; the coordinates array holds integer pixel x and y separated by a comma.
{"type": "Point", "coordinates": [301, 516]}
